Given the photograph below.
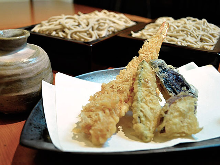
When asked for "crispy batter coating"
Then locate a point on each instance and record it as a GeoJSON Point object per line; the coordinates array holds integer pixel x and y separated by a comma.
{"type": "Point", "coordinates": [100, 116]}
{"type": "Point", "coordinates": [178, 117]}
{"type": "Point", "coordinates": [146, 107]}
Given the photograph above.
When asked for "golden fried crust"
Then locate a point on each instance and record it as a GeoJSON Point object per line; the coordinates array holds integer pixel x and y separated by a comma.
{"type": "Point", "coordinates": [146, 107]}
{"type": "Point", "coordinates": [151, 47]}
{"type": "Point", "coordinates": [178, 117]}
{"type": "Point", "coordinates": [100, 116]}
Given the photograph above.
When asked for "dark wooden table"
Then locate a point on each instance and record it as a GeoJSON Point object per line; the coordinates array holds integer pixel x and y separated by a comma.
{"type": "Point", "coordinates": [20, 14]}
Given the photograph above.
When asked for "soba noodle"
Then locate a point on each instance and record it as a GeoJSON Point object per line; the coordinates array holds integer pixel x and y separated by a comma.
{"type": "Point", "coordinates": [185, 31]}
{"type": "Point", "coordinates": [84, 27]}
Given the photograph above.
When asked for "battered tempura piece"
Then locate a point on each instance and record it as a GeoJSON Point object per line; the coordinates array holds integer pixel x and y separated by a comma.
{"type": "Point", "coordinates": [178, 118]}
{"type": "Point", "coordinates": [100, 116]}
{"type": "Point", "coordinates": [146, 107]}
{"type": "Point", "coordinates": [169, 81]}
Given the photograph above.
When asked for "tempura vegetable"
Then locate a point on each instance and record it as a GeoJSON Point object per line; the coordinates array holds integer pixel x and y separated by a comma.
{"type": "Point", "coordinates": [146, 107]}
{"type": "Point", "coordinates": [170, 81]}
{"type": "Point", "coordinates": [178, 117]}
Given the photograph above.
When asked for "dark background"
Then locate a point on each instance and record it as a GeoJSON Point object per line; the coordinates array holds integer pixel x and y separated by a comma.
{"type": "Point", "coordinates": [208, 9]}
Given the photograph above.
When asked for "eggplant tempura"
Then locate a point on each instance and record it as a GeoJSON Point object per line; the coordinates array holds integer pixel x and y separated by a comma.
{"type": "Point", "coordinates": [100, 116]}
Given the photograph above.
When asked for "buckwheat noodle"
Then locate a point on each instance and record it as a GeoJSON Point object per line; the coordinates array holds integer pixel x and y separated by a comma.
{"type": "Point", "coordinates": [187, 31]}
{"type": "Point", "coordinates": [84, 27]}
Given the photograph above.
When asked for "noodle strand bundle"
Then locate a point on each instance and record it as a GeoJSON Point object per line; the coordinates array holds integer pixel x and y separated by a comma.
{"type": "Point", "coordinates": [187, 31]}
{"type": "Point", "coordinates": [84, 27]}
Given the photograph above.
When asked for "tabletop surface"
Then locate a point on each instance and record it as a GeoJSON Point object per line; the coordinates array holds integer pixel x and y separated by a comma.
{"type": "Point", "coordinates": [20, 14]}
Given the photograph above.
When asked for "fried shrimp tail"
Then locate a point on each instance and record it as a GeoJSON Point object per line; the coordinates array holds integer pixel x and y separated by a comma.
{"type": "Point", "coordinates": [146, 107]}
{"type": "Point", "coordinates": [100, 116]}
{"type": "Point", "coordinates": [151, 47]}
